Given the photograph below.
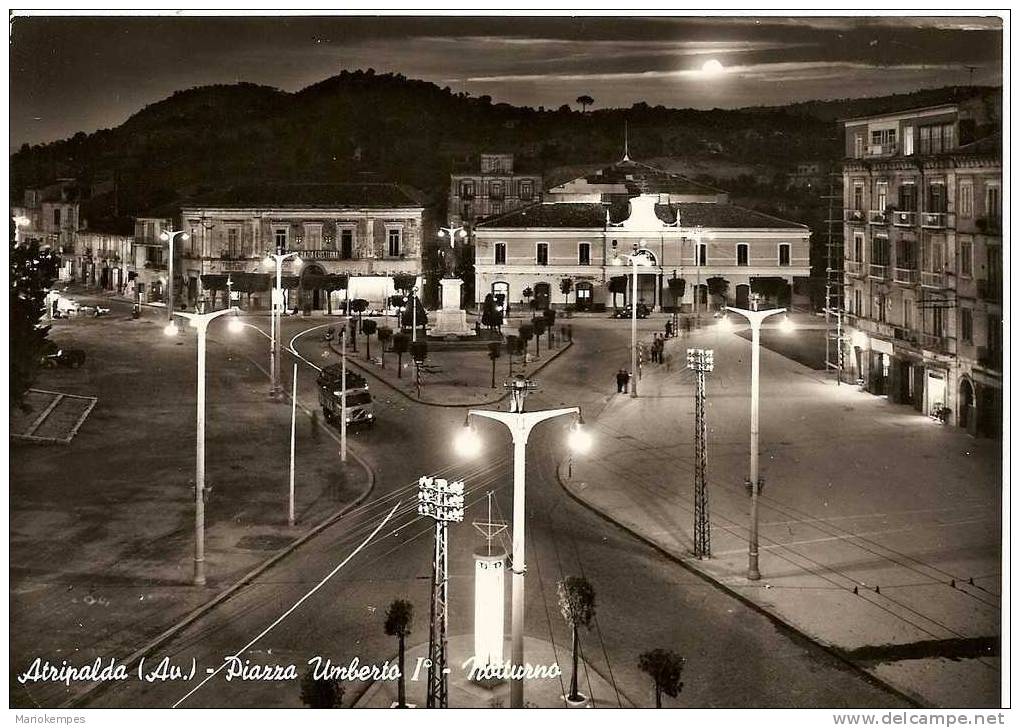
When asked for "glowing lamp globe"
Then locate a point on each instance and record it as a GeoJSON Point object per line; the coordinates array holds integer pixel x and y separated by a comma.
{"type": "Point", "coordinates": [786, 325]}
{"type": "Point", "coordinates": [725, 324]}
{"type": "Point", "coordinates": [236, 325]}
{"type": "Point", "coordinates": [579, 440]}
{"type": "Point", "coordinates": [170, 329]}
{"type": "Point", "coordinates": [467, 443]}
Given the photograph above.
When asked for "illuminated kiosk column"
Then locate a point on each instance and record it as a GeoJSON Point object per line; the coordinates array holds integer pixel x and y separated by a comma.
{"type": "Point", "coordinates": [490, 615]}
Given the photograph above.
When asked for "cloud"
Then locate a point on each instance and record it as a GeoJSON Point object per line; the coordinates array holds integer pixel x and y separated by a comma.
{"type": "Point", "coordinates": [793, 71]}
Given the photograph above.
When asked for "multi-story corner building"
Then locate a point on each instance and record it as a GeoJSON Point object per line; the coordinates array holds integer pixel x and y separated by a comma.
{"type": "Point", "coordinates": [149, 254]}
{"type": "Point", "coordinates": [923, 260]}
{"type": "Point", "coordinates": [491, 188]}
{"type": "Point", "coordinates": [50, 215]}
{"type": "Point", "coordinates": [691, 231]}
{"type": "Point", "coordinates": [369, 231]}
{"type": "Point", "coordinates": [107, 258]}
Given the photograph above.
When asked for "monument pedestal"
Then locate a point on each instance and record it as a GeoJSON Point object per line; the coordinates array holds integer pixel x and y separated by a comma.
{"type": "Point", "coordinates": [450, 320]}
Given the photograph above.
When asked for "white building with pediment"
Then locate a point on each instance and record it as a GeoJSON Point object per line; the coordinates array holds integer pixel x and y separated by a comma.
{"type": "Point", "coordinates": [690, 230]}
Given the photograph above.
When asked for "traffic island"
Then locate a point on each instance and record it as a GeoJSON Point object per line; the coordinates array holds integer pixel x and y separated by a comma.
{"type": "Point", "coordinates": [467, 689]}
{"type": "Point", "coordinates": [451, 377]}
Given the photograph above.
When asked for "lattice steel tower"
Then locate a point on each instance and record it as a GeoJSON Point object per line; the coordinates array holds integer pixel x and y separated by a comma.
{"type": "Point", "coordinates": [443, 502]}
{"type": "Point", "coordinates": [700, 362]}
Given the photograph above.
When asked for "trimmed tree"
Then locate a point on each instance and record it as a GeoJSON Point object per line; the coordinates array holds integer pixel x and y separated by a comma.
{"type": "Point", "coordinates": [526, 294]}
{"type": "Point", "coordinates": [666, 670]}
{"type": "Point", "coordinates": [512, 344]}
{"type": "Point", "coordinates": [566, 286]}
{"type": "Point", "coordinates": [494, 352]}
{"type": "Point", "coordinates": [538, 326]}
{"type": "Point", "coordinates": [358, 306]}
{"type": "Point", "coordinates": [550, 323]}
{"type": "Point", "coordinates": [771, 288]}
{"type": "Point", "coordinates": [398, 624]}
{"type": "Point", "coordinates": [368, 327]}
{"type": "Point", "coordinates": [677, 288]}
{"type": "Point", "coordinates": [385, 333]}
{"type": "Point", "coordinates": [524, 334]}
{"type": "Point", "coordinates": [718, 286]}
{"type": "Point", "coordinates": [321, 693]}
{"type": "Point", "coordinates": [33, 270]}
{"type": "Point", "coordinates": [585, 101]}
{"type": "Point", "coordinates": [577, 605]}
{"type": "Point", "coordinates": [401, 343]}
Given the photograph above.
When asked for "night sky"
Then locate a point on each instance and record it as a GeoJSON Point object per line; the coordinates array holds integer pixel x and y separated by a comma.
{"type": "Point", "coordinates": [82, 74]}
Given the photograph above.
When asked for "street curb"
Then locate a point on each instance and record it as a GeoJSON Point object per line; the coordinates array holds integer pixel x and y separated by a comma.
{"type": "Point", "coordinates": [361, 367]}
{"type": "Point", "coordinates": [95, 689]}
{"type": "Point", "coordinates": [774, 617]}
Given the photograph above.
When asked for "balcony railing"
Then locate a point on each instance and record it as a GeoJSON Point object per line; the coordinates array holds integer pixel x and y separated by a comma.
{"type": "Point", "coordinates": [853, 267]}
{"type": "Point", "coordinates": [932, 279]}
{"type": "Point", "coordinates": [904, 218]}
{"type": "Point", "coordinates": [853, 215]}
{"type": "Point", "coordinates": [905, 275]}
{"type": "Point", "coordinates": [878, 271]}
{"type": "Point", "coordinates": [878, 217]}
{"type": "Point", "coordinates": [882, 150]}
{"type": "Point", "coordinates": [933, 219]}
{"type": "Point", "coordinates": [933, 342]}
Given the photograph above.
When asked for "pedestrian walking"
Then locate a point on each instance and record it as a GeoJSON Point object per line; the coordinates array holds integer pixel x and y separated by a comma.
{"type": "Point", "coordinates": [621, 381]}
{"type": "Point", "coordinates": [669, 329]}
{"type": "Point", "coordinates": [626, 379]}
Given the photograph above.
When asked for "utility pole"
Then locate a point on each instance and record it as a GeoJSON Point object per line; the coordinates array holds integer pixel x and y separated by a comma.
{"type": "Point", "coordinates": [442, 501]}
{"type": "Point", "coordinates": [343, 392]}
{"type": "Point", "coordinates": [293, 437]}
{"type": "Point", "coordinates": [701, 361]}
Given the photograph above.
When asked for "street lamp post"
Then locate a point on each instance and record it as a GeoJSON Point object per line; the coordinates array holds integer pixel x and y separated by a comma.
{"type": "Point", "coordinates": [636, 258]}
{"type": "Point", "coordinates": [520, 424]}
{"type": "Point", "coordinates": [200, 322]}
{"type": "Point", "coordinates": [276, 316]}
{"type": "Point", "coordinates": [169, 236]}
{"type": "Point", "coordinates": [755, 318]}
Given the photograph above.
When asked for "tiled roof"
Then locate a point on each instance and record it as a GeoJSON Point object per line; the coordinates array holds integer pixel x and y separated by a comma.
{"type": "Point", "coordinates": [641, 178]}
{"type": "Point", "coordinates": [550, 215]}
{"type": "Point", "coordinates": [593, 215]}
{"type": "Point", "coordinates": [363, 194]}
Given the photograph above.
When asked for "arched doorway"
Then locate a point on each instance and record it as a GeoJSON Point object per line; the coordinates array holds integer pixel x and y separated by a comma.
{"type": "Point", "coordinates": [501, 294]}
{"type": "Point", "coordinates": [309, 292]}
{"type": "Point", "coordinates": [543, 291]}
{"type": "Point", "coordinates": [583, 293]}
{"type": "Point", "coordinates": [743, 296]}
{"type": "Point", "coordinates": [968, 406]}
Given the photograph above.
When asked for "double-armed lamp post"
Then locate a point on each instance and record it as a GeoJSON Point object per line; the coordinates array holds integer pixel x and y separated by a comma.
{"type": "Point", "coordinates": [169, 236]}
{"type": "Point", "coordinates": [275, 325]}
{"type": "Point", "coordinates": [520, 424]}
{"type": "Point", "coordinates": [754, 483]}
{"type": "Point", "coordinates": [200, 322]}
{"type": "Point", "coordinates": [639, 257]}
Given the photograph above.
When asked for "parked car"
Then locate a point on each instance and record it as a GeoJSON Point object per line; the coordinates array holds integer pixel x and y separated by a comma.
{"type": "Point", "coordinates": [54, 356]}
{"type": "Point", "coordinates": [66, 307]}
{"type": "Point", "coordinates": [625, 312]}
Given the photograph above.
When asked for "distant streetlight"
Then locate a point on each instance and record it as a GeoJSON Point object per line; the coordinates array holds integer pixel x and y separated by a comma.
{"type": "Point", "coordinates": [200, 322]}
{"type": "Point", "coordinates": [169, 236]}
{"type": "Point", "coordinates": [276, 314]}
{"type": "Point", "coordinates": [639, 256]}
{"type": "Point", "coordinates": [520, 424]}
{"type": "Point", "coordinates": [755, 318]}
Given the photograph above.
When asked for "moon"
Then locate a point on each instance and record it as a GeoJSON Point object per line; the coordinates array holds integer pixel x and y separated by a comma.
{"type": "Point", "coordinates": [712, 67]}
